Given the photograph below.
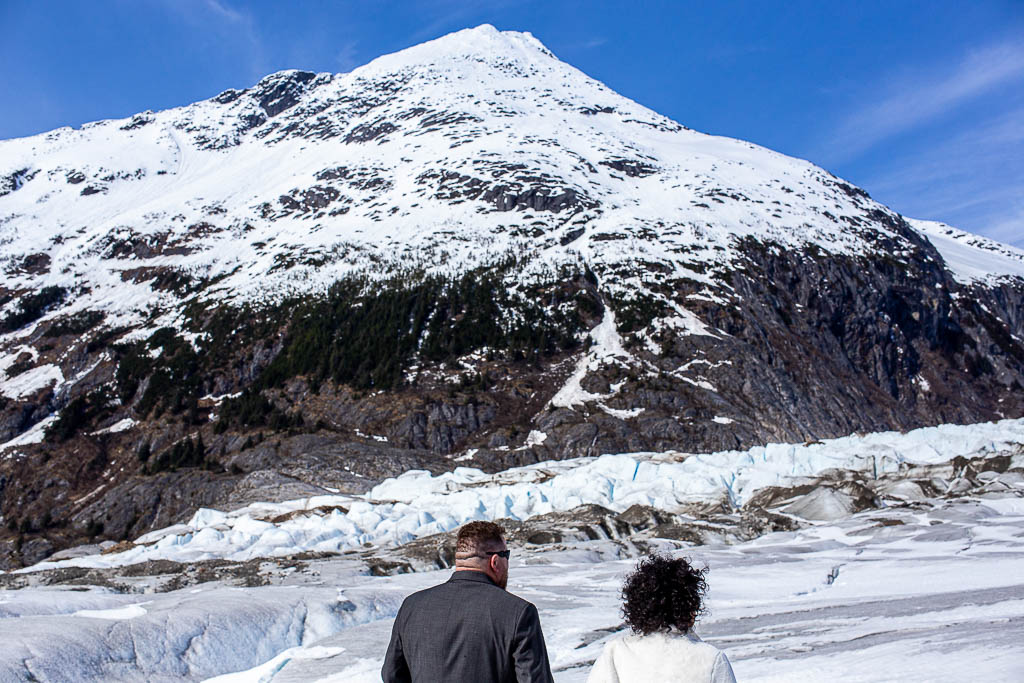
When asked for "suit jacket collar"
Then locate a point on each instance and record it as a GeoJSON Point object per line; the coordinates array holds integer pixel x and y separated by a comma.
{"type": "Point", "coordinates": [471, 575]}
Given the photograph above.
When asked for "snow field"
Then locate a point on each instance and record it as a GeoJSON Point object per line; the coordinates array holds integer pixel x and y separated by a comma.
{"type": "Point", "coordinates": [913, 593]}
{"type": "Point", "coordinates": [417, 504]}
{"type": "Point", "coordinates": [972, 258]}
{"type": "Point", "coordinates": [93, 634]}
{"type": "Point", "coordinates": [932, 594]}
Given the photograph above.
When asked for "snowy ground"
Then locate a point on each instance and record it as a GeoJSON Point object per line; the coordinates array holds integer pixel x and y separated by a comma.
{"type": "Point", "coordinates": [938, 597]}
{"type": "Point", "coordinates": [919, 590]}
{"type": "Point", "coordinates": [918, 595]}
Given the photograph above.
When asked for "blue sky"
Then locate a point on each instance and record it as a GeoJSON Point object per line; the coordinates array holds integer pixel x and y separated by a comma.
{"type": "Point", "coordinates": [920, 103]}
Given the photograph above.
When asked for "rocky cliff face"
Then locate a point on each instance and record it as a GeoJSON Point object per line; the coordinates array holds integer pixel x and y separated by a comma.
{"type": "Point", "coordinates": [466, 253]}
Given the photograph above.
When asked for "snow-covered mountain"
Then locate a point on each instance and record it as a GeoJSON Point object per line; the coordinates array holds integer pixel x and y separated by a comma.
{"type": "Point", "coordinates": [467, 251]}
{"type": "Point", "coordinates": [443, 156]}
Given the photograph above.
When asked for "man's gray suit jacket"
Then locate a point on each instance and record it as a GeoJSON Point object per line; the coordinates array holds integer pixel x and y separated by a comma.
{"type": "Point", "coordinates": [466, 630]}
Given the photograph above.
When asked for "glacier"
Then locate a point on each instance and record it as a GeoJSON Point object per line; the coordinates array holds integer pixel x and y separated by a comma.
{"type": "Point", "coordinates": [912, 584]}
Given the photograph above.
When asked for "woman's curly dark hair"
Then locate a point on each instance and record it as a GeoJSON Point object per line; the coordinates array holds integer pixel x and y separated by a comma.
{"type": "Point", "coordinates": [663, 593]}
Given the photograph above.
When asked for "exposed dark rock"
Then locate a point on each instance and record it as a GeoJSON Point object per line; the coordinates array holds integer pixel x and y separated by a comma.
{"type": "Point", "coordinates": [335, 173]}
{"type": "Point", "coordinates": [633, 168]}
{"type": "Point", "coordinates": [280, 91]}
{"type": "Point", "coordinates": [228, 96]}
{"type": "Point", "coordinates": [138, 121]}
{"type": "Point", "coordinates": [443, 119]}
{"type": "Point", "coordinates": [14, 181]}
{"type": "Point", "coordinates": [311, 199]}
{"type": "Point", "coordinates": [162, 576]}
{"type": "Point", "coordinates": [35, 550]}
{"type": "Point", "coordinates": [139, 504]}
{"type": "Point", "coordinates": [365, 132]}
{"type": "Point", "coordinates": [329, 459]}
{"type": "Point", "coordinates": [571, 236]}
{"type": "Point", "coordinates": [513, 190]}
{"type": "Point", "coordinates": [806, 327]}
{"type": "Point", "coordinates": [36, 264]}
{"type": "Point", "coordinates": [537, 199]}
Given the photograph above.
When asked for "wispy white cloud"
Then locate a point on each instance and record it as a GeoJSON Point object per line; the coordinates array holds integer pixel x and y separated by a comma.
{"type": "Point", "coordinates": [916, 98]}
{"type": "Point", "coordinates": [347, 57]}
{"type": "Point", "coordinates": [448, 16]}
{"type": "Point", "coordinates": [579, 45]}
{"type": "Point", "coordinates": [1008, 227]}
{"type": "Point", "coordinates": [973, 180]}
{"type": "Point", "coordinates": [983, 146]}
{"type": "Point", "coordinates": [589, 43]}
{"type": "Point", "coordinates": [233, 27]}
{"type": "Point", "coordinates": [445, 16]}
{"type": "Point", "coordinates": [225, 12]}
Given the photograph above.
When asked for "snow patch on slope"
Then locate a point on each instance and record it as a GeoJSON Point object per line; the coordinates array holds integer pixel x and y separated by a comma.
{"type": "Point", "coordinates": [606, 347]}
{"type": "Point", "coordinates": [972, 258]}
{"type": "Point", "coordinates": [35, 434]}
{"type": "Point", "coordinates": [31, 381]}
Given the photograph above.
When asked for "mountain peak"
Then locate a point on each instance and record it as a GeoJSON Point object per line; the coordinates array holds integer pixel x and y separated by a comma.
{"type": "Point", "coordinates": [483, 42]}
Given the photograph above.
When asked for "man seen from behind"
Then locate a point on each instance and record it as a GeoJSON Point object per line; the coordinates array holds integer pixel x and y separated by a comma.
{"type": "Point", "coordinates": [469, 628]}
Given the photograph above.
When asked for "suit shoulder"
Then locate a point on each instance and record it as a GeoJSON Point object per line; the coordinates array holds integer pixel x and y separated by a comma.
{"type": "Point", "coordinates": [515, 606]}
{"type": "Point", "coordinates": [424, 595]}
{"type": "Point", "coordinates": [518, 601]}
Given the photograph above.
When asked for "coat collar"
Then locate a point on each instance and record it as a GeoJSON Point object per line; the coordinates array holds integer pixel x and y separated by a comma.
{"type": "Point", "coordinates": [471, 575]}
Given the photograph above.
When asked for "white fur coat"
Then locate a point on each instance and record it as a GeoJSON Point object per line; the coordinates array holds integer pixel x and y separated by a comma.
{"type": "Point", "coordinates": [662, 657]}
